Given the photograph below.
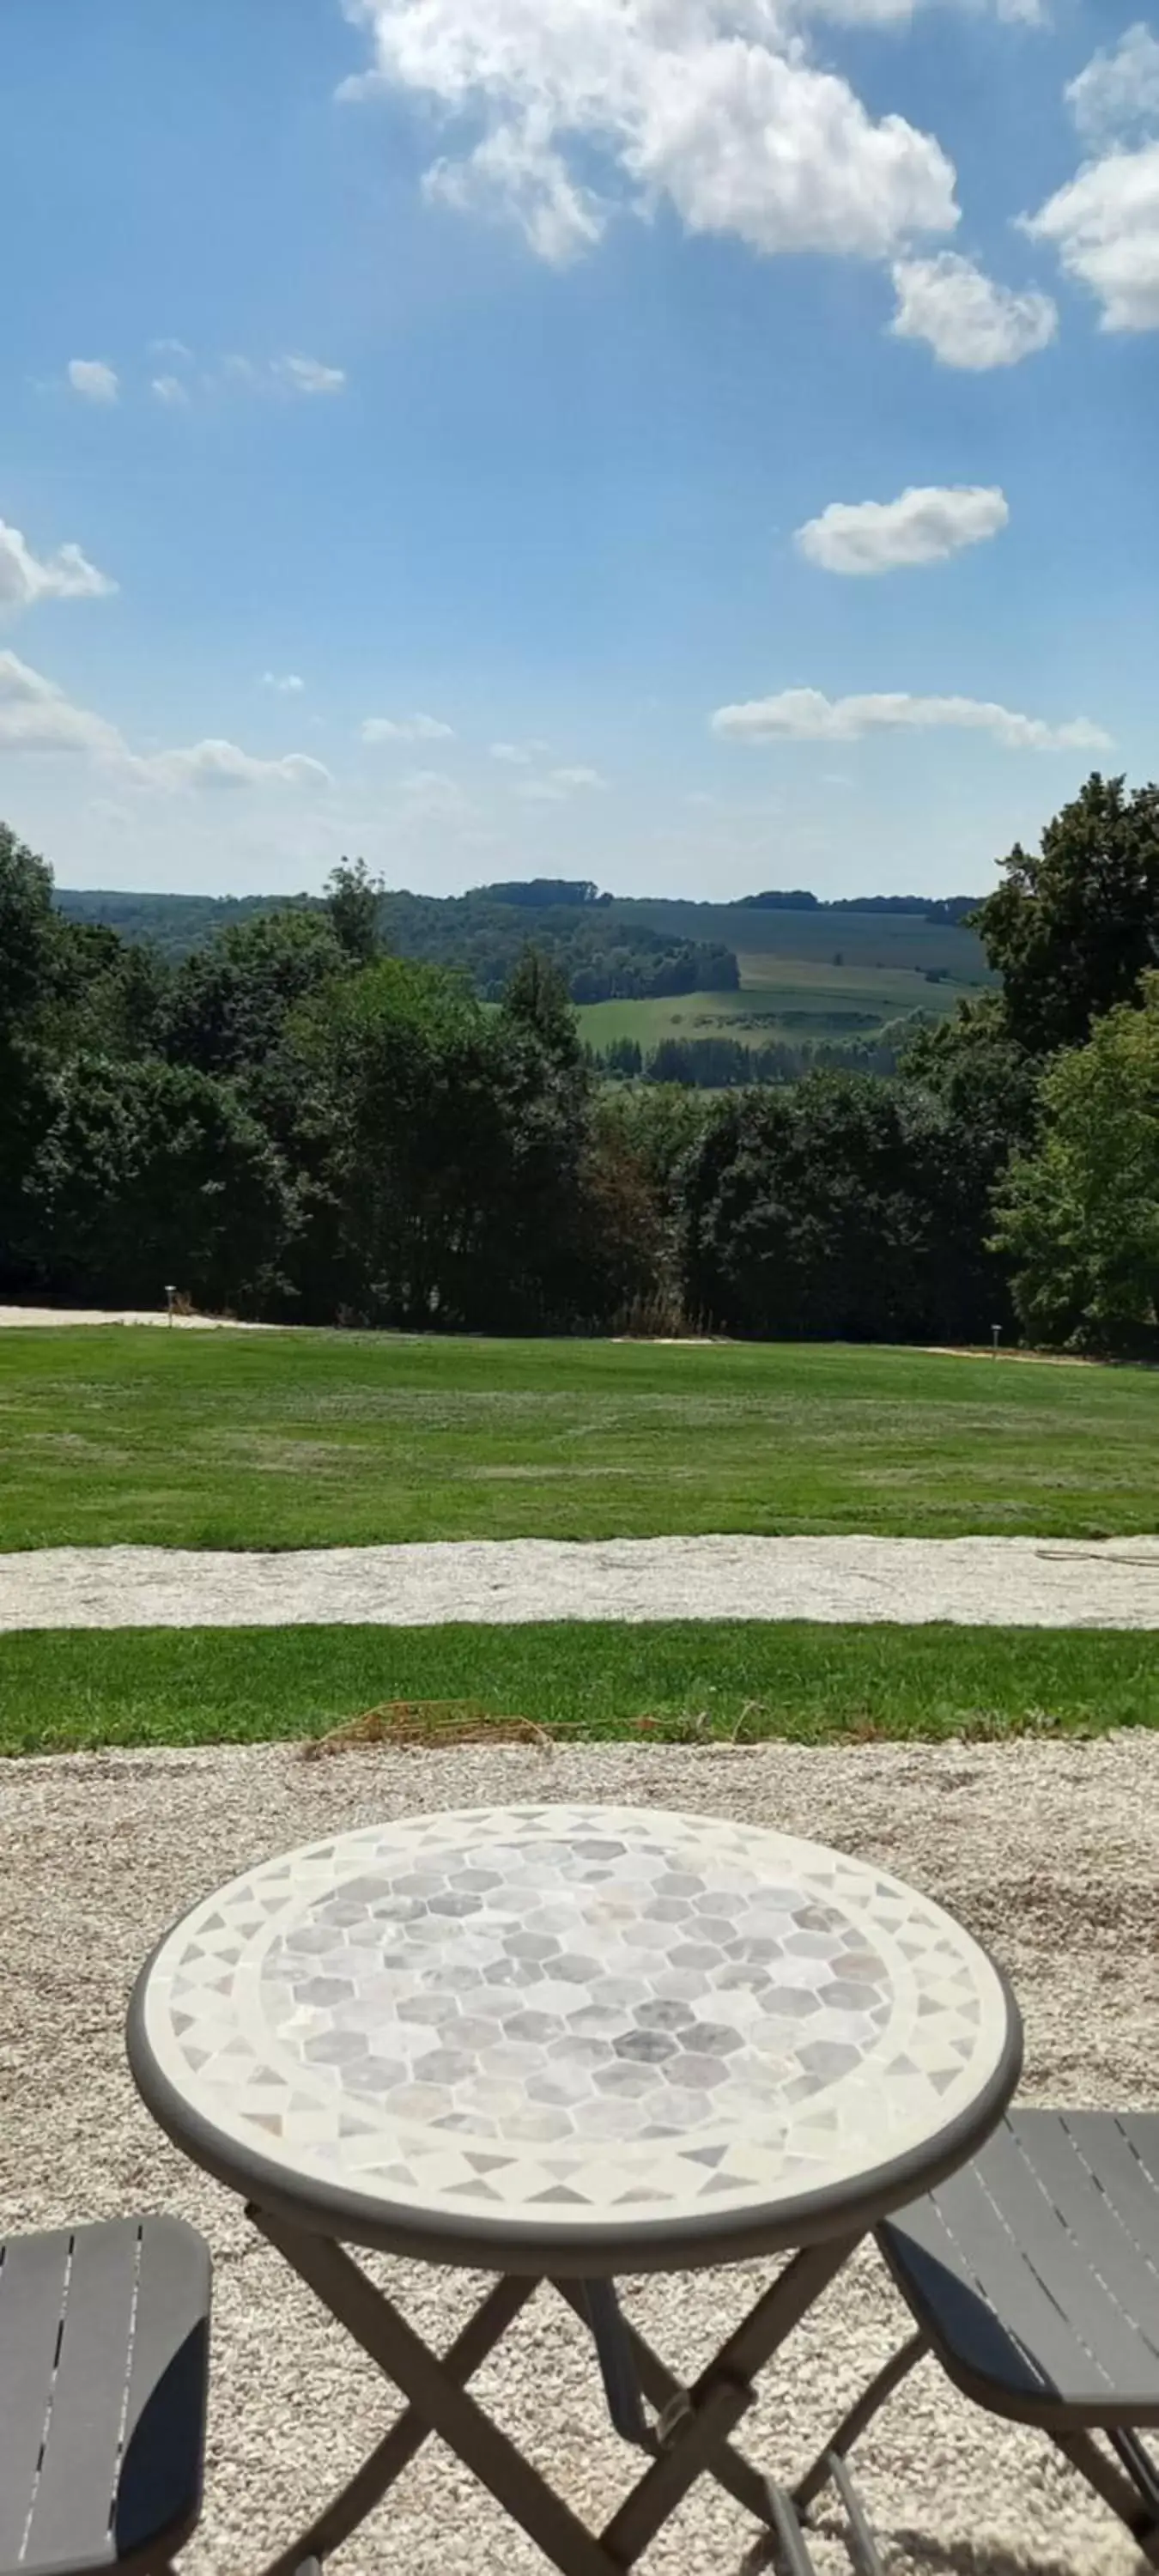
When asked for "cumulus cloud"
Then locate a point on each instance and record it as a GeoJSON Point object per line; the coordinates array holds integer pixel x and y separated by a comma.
{"type": "Point", "coordinates": [37, 717]}
{"type": "Point", "coordinates": [289, 684]}
{"type": "Point", "coordinates": [170, 391]}
{"type": "Point", "coordinates": [1118, 93]}
{"type": "Point", "coordinates": [1104, 225]}
{"type": "Point", "coordinates": [517, 755]}
{"type": "Point", "coordinates": [711, 106]}
{"type": "Point", "coordinates": [93, 380]}
{"type": "Point", "coordinates": [967, 318]}
{"type": "Point", "coordinates": [26, 578]}
{"type": "Point", "coordinates": [806, 715]}
{"type": "Point", "coordinates": [416, 728]}
{"type": "Point", "coordinates": [926, 523]}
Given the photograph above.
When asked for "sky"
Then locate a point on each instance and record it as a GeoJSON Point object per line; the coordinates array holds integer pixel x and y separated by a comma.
{"type": "Point", "coordinates": [699, 445]}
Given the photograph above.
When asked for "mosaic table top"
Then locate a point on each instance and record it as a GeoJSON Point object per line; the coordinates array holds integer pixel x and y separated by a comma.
{"type": "Point", "coordinates": [539, 2024]}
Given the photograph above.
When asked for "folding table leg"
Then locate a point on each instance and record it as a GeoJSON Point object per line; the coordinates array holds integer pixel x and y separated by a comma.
{"type": "Point", "coordinates": [721, 2395]}
{"type": "Point", "coordinates": [370, 2317]}
{"type": "Point", "coordinates": [665, 2392]}
{"type": "Point", "coordinates": [440, 2403]}
{"type": "Point", "coordinates": [353, 2502]}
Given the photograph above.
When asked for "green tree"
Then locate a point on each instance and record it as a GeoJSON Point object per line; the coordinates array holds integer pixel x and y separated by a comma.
{"type": "Point", "coordinates": [1072, 929]}
{"type": "Point", "coordinates": [149, 1175]}
{"type": "Point", "coordinates": [453, 1136]}
{"type": "Point", "coordinates": [353, 900]}
{"type": "Point", "coordinates": [839, 1210]}
{"type": "Point", "coordinates": [29, 937]}
{"type": "Point", "coordinates": [1078, 1216]}
{"type": "Point", "coordinates": [231, 1000]}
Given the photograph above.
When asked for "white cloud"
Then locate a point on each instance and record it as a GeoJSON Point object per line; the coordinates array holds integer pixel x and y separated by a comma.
{"type": "Point", "coordinates": [431, 796]}
{"type": "Point", "coordinates": [289, 684]}
{"type": "Point", "coordinates": [1118, 93]}
{"type": "Point", "coordinates": [289, 375]}
{"type": "Point", "coordinates": [37, 717]}
{"type": "Point", "coordinates": [173, 349]}
{"type": "Point", "coordinates": [222, 764]}
{"type": "Point", "coordinates": [1104, 224]}
{"type": "Point", "coordinates": [26, 578]}
{"type": "Point", "coordinates": [309, 376]}
{"type": "Point", "coordinates": [710, 105]}
{"type": "Point", "coordinates": [924, 525]}
{"type": "Point", "coordinates": [968, 319]}
{"type": "Point", "coordinates": [558, 785]}
{"type": "Point", "coordinates": [889, 13]}
{"type": "Point", "coordinates": [416, 728]}
{"type": "Point", "coordinates": [170, 391]}
{"type": "Point", "coordinates": [93, 380]}
{"type": "Point", "coordinates": [806, 715]}
{"type": "Point", "coordinates": [518, 755]}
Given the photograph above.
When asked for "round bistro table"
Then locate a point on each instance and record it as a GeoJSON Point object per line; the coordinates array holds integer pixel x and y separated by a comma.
{"type": "Point", "coordinates": [563, 2043]}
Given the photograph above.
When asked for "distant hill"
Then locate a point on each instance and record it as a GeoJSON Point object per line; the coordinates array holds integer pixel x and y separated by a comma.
{"type": "Point", "coordinates": [439, 925]}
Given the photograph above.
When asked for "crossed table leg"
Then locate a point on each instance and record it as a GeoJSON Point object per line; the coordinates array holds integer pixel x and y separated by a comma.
{"type": "Point", "coordinates": [689, 2438]}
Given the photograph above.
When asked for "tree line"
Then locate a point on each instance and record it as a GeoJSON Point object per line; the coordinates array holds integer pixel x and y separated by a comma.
{"type": "Point", "coordinates": [299, 1123]}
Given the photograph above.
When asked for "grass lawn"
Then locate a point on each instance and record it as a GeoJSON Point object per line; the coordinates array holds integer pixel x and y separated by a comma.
{"type": "Point", "coordinates": [325, 1439]}
{"type": "Point", "coordinates": [692, 1681]}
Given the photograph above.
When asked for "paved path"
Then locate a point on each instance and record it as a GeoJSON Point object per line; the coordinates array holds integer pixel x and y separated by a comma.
{"type": "Point", "coordinates": [977, 1582]}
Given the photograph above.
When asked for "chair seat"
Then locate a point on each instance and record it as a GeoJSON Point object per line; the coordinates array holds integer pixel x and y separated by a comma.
{"type": "Point", "coordinates": [1034, 2271]}
{"type": "Point", "coordinates": [104, 2349]}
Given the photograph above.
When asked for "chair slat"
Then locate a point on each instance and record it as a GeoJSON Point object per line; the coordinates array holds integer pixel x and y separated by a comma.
{"type": "Point", "coordinates": [1109, 2352]}
{"type": "Point", "coordinates": [159, 2490]}
{"type": "Point", "coordinates": [32, 2289]}
{"type": "Point", "coordinates": [1080, 2180]}
{"type": "Point", "coordinates": [71, 2523]}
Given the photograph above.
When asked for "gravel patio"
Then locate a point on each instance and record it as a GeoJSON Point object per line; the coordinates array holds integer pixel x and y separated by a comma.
{"type": "Point", "coordinates": [1049, 1852]}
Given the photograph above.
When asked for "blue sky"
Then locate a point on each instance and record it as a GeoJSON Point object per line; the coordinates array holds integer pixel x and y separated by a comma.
{"type": "Point", "coordinates": [699, 444]}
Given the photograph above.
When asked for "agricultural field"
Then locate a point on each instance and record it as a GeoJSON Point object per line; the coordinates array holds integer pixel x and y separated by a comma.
{"type": "Point", "coordinates": [784, 997]}
{"type": "Point", "coordinates": [294, 1439]}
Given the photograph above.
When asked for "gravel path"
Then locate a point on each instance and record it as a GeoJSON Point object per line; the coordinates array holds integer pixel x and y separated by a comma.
{"type": "Point", "coordinates": [19, 1318]}
{"type": "Point", "coordinates": [1050, 1853]}
{"type": "Point", "coordinates": [976, 1582]}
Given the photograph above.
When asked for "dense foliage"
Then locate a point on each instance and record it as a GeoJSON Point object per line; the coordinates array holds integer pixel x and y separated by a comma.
{"type": "Point", "coordinates": [302, 1118]}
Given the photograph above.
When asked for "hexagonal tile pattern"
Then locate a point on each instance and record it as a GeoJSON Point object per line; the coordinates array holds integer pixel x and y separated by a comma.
{"type": "Point", "coordinates": [544, 2011]}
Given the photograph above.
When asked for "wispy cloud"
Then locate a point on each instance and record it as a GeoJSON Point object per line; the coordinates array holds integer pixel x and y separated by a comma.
{"type": "Point", "coordinates": [26, 578]}
{"type": "Point", "coordinates": [416, 728]}
{"type": "Point", "coordinates": [38, 718]}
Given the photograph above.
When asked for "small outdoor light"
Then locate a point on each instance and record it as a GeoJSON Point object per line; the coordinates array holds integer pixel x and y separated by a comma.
{"type": "Point", "coordinates": [996, 1330]}
{"type": "Point", "coordinates": [170, 1294]}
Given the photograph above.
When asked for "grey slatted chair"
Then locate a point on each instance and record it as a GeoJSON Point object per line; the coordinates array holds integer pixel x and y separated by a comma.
{"type": "Point", "coordinates": [1033, 2276]}
{"type": "Point", "coordinates": [104, 2354]}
